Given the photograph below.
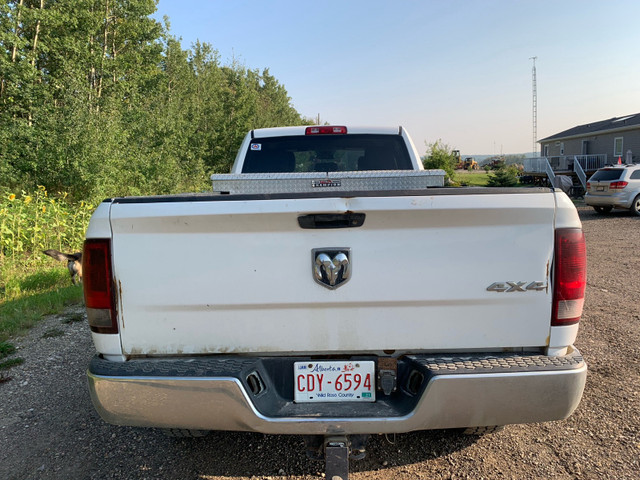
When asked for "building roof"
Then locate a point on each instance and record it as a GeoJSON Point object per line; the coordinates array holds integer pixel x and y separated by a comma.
{"type": "Point", "coordinates": [612, 124]}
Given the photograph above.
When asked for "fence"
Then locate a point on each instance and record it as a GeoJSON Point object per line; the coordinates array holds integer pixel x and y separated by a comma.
{"type": "Point", "coordinates": [564, 163]}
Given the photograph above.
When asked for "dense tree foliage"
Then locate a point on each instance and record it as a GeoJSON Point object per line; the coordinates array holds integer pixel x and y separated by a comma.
{"type": "Point", "coordinates": [98, 99]}
{"type": "Point", "coordinates": [505, 176]}
{"type": "Point", "coordinates": [439, 155]}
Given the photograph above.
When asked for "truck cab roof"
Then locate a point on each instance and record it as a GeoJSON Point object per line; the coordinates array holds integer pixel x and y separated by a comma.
{"type": "Point", "coordinates": [326, 148]}
{"type": "Point", "coordinates": [301, 130]}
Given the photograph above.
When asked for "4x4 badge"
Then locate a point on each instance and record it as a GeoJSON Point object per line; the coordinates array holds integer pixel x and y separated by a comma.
{"type": "Point", "coordinates": [331, 267]}
{"type": "Point", "coordinates": [509, 287]}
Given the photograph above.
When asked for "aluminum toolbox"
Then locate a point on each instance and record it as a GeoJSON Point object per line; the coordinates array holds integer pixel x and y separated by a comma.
{"type": "Point", "coordinates": [260, 183]}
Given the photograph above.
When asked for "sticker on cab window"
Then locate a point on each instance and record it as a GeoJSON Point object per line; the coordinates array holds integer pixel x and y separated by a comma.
{"type": "Point", "coordinates": [256, 146]}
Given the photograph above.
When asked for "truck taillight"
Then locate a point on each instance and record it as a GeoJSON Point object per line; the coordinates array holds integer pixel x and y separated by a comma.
{"type": "Point", "coordinates": [98, 286]}
{"type": "Point", "coordinates": [617, 185]}
{"type": "Point", "coordinates": [325, 130]}
{"type": "Point", "coordinates": [570, 276]}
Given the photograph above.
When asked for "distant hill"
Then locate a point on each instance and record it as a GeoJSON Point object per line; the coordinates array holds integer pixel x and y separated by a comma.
{"type": "Point", "coordinates": [481, 159]}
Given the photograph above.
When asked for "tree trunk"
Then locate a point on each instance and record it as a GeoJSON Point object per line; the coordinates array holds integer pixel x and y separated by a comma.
{"type": "Point", "coordinates": [35, 37]}
{"type": "Point", "coordinates": [114, 54]}
{"type": "Point", "coordinates": [105, 41]}
{"type": "Point", "coordinates": [33, 60]}
{"type": "Point", "coordinates": [15, 44]}
{"type": "Point", "coordinates": [92, 71]}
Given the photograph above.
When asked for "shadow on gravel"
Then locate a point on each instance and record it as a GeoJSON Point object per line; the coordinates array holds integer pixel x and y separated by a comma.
{"type": "Point", "coordinates": [414, 447]}
{"type": "Point", "coordinates": [249, 454]}
{"type": "Point", "coordinates": [588, 214]}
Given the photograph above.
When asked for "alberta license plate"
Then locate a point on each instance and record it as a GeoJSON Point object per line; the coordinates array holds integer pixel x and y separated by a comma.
{"type": "Point", "coordinates": [334, 381]}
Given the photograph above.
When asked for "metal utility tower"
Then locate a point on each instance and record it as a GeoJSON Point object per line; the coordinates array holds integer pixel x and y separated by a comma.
{"type": "Point", "coordinates": [535, 106]}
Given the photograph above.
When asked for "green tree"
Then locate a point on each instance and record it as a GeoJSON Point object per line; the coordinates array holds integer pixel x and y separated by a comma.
{"type": "Point", "coordinates": [439, 155]}
{"type": "Point", "coordinates": [505, 176]}
{"type": "Point", "coordinates": [62, 59]}
{"type": "Point", "coordinates": [98, 99]}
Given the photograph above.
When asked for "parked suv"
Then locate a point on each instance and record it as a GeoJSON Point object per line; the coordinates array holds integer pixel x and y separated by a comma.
{"type": "Point", "coordinates": [617, 186]}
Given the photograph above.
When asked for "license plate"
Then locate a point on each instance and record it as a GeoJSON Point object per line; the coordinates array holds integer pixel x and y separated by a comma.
{"type": "Point", "coordinates": [599, 189]}
{"type": "Point", "coordinates": [334, 381]}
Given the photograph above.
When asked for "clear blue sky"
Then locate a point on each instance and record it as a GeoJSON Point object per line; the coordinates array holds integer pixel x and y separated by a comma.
{"type": "Point", "coordinates": [456, 70]}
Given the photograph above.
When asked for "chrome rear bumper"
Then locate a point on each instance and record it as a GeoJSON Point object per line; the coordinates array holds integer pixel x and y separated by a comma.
{"type": "Point", "coordinates": [457, 391]}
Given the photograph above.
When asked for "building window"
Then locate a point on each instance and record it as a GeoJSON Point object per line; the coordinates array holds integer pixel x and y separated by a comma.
{"type": "Point", "coordinates": [617, 147]}
{"type": "Point", "coordinates": [546, 151]}
{"type": "Point", "coordinates": [562, 148]}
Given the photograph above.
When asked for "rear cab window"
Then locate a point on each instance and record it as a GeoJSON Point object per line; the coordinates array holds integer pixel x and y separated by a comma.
{"type": "Point", "coordinates": [326, 153]}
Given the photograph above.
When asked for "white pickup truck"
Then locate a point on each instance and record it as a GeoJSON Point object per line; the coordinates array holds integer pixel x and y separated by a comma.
{"type": "Point", "coordinates": [333, 288]}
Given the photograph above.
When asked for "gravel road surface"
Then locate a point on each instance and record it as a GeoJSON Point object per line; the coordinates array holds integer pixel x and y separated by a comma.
{"type": "Point", "coordinates": [48, 428]}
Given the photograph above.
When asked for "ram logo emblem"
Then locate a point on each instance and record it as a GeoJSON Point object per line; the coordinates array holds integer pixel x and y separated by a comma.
{"type": "Point", "coordinates": [331, 266]}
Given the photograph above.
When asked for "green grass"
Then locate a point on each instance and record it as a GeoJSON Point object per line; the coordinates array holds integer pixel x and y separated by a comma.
{"type": "Point", "coordinates": [25, 297]}
{"type": "Point", "coordinates": [12, 362]}
{"type": "Point", "coordinates": [32, 284]}
{"type": "Point", "coordinates": [28, 292]}
{"type": "Point", "coordinates": [53, 332]}
{"type": "Point", "coordinates": [6, 365]}
{"type": "Point", "coordinates": [6, 349]}
{"type": "Point", "coordinates": [76, 317]}
{"type": "Point", "coordinates": [473, 178]}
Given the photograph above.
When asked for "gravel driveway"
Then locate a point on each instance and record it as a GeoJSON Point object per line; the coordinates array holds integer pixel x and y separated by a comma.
{"type": "Point", "coordinates": [48, 428]}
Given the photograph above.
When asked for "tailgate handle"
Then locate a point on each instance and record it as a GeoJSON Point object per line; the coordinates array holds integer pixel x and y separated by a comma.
{"type": "Point", "coordinates": [331, 220]}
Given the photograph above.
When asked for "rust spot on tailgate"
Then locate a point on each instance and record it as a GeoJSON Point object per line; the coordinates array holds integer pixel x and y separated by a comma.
{"type": "Point", "coordinates": [120, 302]}
{"type": "Point", "coordinates": [548, 268]}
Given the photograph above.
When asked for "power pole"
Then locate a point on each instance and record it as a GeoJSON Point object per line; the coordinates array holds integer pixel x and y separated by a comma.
{"type": "Point", "coordinates": [535, 106]}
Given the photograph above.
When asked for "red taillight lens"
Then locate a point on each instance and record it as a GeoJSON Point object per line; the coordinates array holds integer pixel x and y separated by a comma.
{"type": "Point", "coordinates": [98, 285]}
{"type": "Point", "coordinates": [617, 185]}
{"type": "Point", "coordinates": [325, 130]}
{"type": "Point", "coordinates": [570, 276]}
{"type": "Point", "coordinates": [588, 186]}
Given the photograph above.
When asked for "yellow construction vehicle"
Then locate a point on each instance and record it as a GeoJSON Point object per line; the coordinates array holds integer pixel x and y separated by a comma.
{"type": "Point", "coordinates": [467, 164]}
{"type": "Point", "coordinates": [456, 157]}
{"type": "Point", "coordinates": [470, 164]}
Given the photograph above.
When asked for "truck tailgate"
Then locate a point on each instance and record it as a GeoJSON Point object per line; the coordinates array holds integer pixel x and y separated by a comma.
{"type": "Point", "coordinates": [232, 274]}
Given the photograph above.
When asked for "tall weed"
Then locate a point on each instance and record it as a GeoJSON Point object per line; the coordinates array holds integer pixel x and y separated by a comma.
{"type": "Point", "coordinates": [31, 222]}
{"type": "Point", "coordinates": [34, 221]}
{"type": "Point", "coordinates": [31, 283]}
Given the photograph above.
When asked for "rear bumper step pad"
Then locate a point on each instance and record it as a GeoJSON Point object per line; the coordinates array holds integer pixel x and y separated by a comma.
{"type": "Point", "coordinates": [443, 391]}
